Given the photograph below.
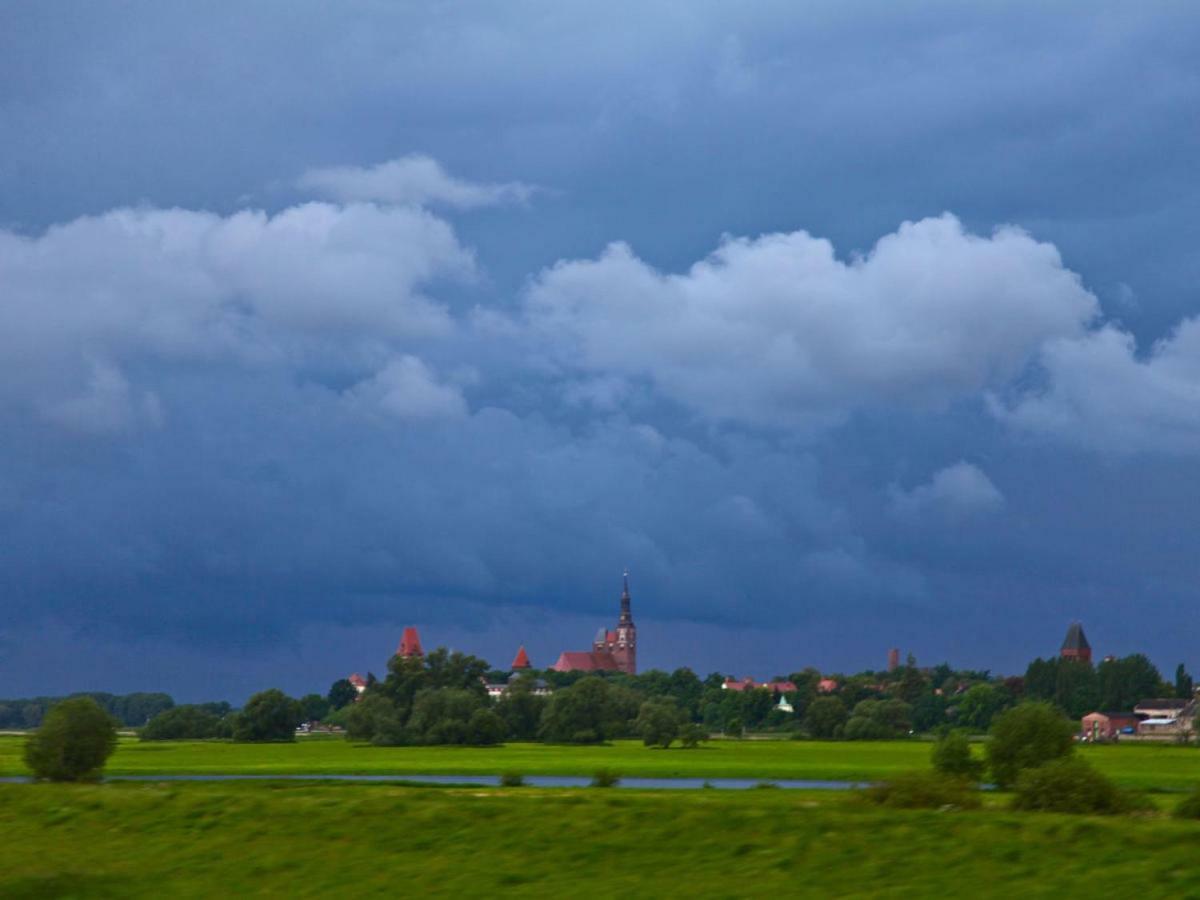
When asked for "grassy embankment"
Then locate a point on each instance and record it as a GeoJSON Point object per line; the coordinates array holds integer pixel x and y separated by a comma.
{"type": "Point", "coordinates": [1141, 766]}
{"type": "Point", "coordinates": [346, 839]}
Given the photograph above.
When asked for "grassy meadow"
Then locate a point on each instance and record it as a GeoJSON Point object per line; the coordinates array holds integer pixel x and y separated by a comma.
{"type": "Point", "coordinates": [1163, 767]}
{"type": "Point", "coordinates": [269, 839]}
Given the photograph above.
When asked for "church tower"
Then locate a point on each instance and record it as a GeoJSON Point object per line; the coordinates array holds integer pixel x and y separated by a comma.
{"type": "Point", "coordinates": [625, 651]}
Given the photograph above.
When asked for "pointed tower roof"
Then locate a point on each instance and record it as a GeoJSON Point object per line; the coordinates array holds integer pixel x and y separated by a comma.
{"type": "Point", "coordinates": [626, 614]}
{"type": "Point", "coordinates": [1076, 639]}
{"type": "Point", "coordinates": [410, 643]}
{"type": "Point", "coordinates": [521, 661]}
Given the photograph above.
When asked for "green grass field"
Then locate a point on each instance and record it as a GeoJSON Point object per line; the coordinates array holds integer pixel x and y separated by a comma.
{"type": "Point", "coordinates": [275, 839]}
{"type": "Point", "coordinates": [1142, 766]}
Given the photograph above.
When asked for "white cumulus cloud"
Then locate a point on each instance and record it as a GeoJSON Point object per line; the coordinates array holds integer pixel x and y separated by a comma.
{"type": "Point", "coordinates": [778, 330]}
{"type": "Point", "coordinates": [1099, 395]}
{"type": "Point", "coordinates": [183, 286]}
{"type": "Point", "coordinates": [408, 389]}
{"type": "Point", "coordinates": [956, 491]}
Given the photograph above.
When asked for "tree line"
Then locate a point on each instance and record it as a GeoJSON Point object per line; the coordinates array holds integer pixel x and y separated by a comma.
{"type": "Point", "coordinates": [441, 698]}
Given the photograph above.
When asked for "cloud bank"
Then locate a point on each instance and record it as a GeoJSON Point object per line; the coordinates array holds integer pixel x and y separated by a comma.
{"type": "Point", "coordinates": [1099, 395]}
{"type": "Point", "coordinates": [777, 330]}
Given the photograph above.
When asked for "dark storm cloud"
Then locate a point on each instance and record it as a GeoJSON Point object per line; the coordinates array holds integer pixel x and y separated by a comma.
{"type": "Point", "coordinates": [309, 323]}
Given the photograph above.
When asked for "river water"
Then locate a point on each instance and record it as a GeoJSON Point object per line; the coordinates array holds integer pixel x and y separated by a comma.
{"type": "Point", "coordinates": [494, 781]}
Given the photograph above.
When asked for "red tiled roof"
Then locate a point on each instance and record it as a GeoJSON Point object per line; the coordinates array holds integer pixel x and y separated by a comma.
{"type": "Point", "coordinates": [585, 661]}
{"type": "Point", "coordinates": [746, 684]}
{"type": "Point", "coordinates": [357, 680]}
{"type": "Point", "coordinates": [733, 685]}
{"type": "Point", "coordinates": [522, 660]}
{"type": "Point", "coordinates": [827, 685]}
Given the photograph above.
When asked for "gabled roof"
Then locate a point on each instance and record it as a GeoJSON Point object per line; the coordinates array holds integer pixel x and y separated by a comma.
{"type": "Point", "coordinates": [1076, 639]}
{"type": "Point", "coordinates": [585, 661]}
{"type": "Point", "coordinates": [1162, 703]}
{"type": "Point", "coordinates": [357, 680]}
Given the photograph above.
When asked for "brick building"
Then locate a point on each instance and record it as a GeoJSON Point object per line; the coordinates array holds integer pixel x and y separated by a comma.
{"type": "Point", "coordinates": [613, 650]}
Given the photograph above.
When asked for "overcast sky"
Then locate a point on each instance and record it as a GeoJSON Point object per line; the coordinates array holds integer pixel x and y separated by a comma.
{"type": "Point", "coordinates": [843, 326]}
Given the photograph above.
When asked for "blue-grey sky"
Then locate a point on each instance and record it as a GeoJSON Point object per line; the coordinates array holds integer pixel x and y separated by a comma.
{"type": "Point", "coordinates": [842, 325]}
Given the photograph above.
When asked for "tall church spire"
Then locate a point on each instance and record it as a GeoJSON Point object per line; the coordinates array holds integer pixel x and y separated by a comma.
{"type": "Point", "coordinates": [626, 615]}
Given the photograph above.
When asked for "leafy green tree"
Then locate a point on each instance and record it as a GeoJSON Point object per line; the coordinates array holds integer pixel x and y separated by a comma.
{"type": "Point", "coordinates": [691, 735]}
{"type": "Point", "coordinates": [1071, 684]}
{"type": "Point", "coordinates": [929, 711]}
{"type": "Point", "coordinates": [734, 727]}
{"type": "Point", "coordinates": [438, 669]}
{"type": "Point", "coordinates": [952, 756]}
{"type": "Point", "coordinates": [825, 718]}
{"type": "Point", "coordinates": [341, 693]}
{"type": "Point", "coordinates": [521, 709]}
{"type": "Point", "coordinates": [659, 721]}
{"type": "Point", "coordinates": [687, 689]}
{"type": "Point", "coordinates": [1041, 679]}
{"type": "Point", "coordinates": [1025, 737]}
{"type": "Point", "coordinates": [186, 722]}
{"type": "Point", "coordinates": [1125, 681]}
{"type": "Point", "coordinates": [75, 739]}
{"type": "Point", "coordinates": [373, 716]}
{"type": "Point", "coordinates": [912, 683]}
{"type": "Point", "coordinates": [442, 716]}
{"type": "Point", "coordinates": [1183, 683]}
{"type": "Point", "coordinates": [979, 704]}
{"type": "Point", "coordinates": [878, 720]}
{"type": "Point", "coordinates": [139, 708]}
{"type": "Point", "coordinates": [315, 707]}
{"type": "Point", "coordinates": [581, 714]}
{"type": "Point", "coordinates": [269, 715]}
{"type": "Point", "coordinates": [485, 728]}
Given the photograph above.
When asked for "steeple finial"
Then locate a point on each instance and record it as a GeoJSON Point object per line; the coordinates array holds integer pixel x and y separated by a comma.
{"type": "Point", "coordinates": [626, 615]}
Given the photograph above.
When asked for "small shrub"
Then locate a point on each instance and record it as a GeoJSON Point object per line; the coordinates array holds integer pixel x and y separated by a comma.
{"type": "Point", "coordinates": [605, 778]}
{"type": "Point", "coordinates": [952, 756]}
{"type": "Point", "coordinates": [512, 779]}
{"type": "Point", "coordinates": [1069, 786]}
{"type": "Point", "coordinates": [74, 741]}
{"type": "Point", "coordinates": [1189, 806]}
{"type": "Point", "coordinates": [925, 790]}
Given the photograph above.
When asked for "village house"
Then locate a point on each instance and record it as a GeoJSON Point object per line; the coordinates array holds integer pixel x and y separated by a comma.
{"type": "Point", "coordinates": [1106, 726]}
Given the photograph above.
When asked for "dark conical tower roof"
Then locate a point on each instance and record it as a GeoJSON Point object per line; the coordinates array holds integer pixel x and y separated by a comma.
{"type": "Point", "coordinates": [1076, 639]}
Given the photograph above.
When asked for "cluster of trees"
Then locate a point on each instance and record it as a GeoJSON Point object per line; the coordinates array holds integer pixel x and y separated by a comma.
{"type": "Point", "coordinates": [441, 699]}
{"type": "Point", "coordinates": [129, 710]}
{"type": "Point", "coordinates": [1078, 687]}
{"type": "Point", "coordinates": [269, 715]}
{"type": "Point", "coordinates": [190, 721]}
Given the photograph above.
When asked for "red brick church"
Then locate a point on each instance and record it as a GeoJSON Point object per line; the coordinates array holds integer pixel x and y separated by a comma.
{"type": "Point", "coordinates": [612, 651]}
